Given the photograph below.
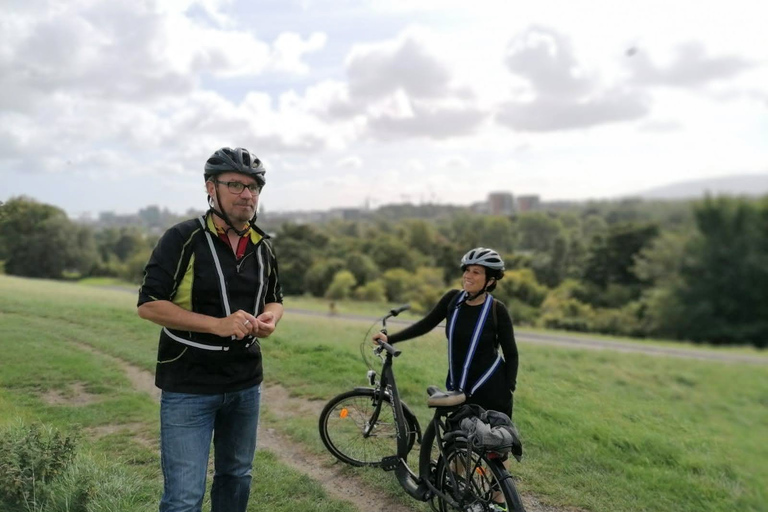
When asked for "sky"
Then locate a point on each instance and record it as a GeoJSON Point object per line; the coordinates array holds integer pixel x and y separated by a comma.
{"type": "Point", "coordinates": [115, 105]}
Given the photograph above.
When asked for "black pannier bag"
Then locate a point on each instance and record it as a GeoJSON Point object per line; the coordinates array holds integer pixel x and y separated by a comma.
{"type": "Point", "coordinates": [491, 431]}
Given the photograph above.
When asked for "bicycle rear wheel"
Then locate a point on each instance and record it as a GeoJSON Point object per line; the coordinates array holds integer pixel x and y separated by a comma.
{"type": "Point", "coordinates": [343, 425]}
{"type": "Point", "coordinates": [484, 487]}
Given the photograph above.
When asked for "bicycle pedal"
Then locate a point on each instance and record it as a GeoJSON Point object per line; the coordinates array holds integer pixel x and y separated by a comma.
{"type": "Point", "coordinates": [390, 463]}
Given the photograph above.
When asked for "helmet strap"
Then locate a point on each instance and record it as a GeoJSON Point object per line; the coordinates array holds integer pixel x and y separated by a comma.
{"type": "Point", "coordinates": [223, 216]}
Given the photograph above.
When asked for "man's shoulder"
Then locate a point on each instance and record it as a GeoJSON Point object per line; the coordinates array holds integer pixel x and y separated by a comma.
{"type": "Point", "coordinates": [185, 227]}
{"type": "Point", "coordinates": [179, 234]}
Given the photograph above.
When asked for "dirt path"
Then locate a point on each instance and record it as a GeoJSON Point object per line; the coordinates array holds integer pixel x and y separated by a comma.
{"type": "Point", "coordinates": [337, 480]}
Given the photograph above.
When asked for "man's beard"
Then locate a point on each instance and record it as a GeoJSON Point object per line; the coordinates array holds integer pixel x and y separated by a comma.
{"type": "Point", "coordinates": [240, 215]}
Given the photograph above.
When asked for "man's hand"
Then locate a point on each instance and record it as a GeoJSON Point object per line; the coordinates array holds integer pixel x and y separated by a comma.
{"type": "Point", "coordinates": [264, 325]}
{"type": "Point", "coordinates": [239, 324]}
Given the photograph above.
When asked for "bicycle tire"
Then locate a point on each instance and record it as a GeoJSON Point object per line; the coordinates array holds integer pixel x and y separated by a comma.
{"type": "Point", "coordinates": [489, 481]}
{"type": "Point", "coordinates": [342, 423]}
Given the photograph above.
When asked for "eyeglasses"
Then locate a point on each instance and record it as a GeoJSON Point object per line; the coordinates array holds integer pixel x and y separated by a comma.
{"type": "Point", "coordinates": [237, 187]}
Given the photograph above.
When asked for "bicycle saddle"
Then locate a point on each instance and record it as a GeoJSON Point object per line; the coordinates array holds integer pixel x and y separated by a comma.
{"type": "Point", "coordinates": [439, 398]}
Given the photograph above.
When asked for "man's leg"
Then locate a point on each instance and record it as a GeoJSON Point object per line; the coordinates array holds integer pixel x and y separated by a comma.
{"type": "Point", "coordinates": [234, 444]}
{"type": "Point", "coordinates": [186, 426]}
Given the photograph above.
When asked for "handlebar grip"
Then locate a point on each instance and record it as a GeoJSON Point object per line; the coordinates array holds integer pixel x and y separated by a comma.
{"type": "Point", "coordinates": [397, 311]}
{"type": "Point", "coordinates": [389, 348]}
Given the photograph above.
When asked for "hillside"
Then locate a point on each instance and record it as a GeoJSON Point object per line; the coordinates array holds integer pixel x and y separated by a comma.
{"type": "Point", "coordinates": [740, 185]}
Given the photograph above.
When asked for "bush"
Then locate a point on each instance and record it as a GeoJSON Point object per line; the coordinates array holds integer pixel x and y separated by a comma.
{"type": "Point", "coordinates": [522, 313]}
{"type": "Point", "coordinates": [624, 321]}
{"type": "Point", "coordinates": [134, 267]}
{"type": "Point", "coordinates": [341, 286]}
{"type": "Point", "coordinates": [373, 291]}
{"type": "Point", "coordinates": [521, 286]}
{"type": "Point", "coordinates": [566, 313]}
{"type": "Point", "coordinates": [396, 283]}
{"type": "Point", "coordinates": [31, 457]}
{"type": "Point", "coordinates": [41, 471]}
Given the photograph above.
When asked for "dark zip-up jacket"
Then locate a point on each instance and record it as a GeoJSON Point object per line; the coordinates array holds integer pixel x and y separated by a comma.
{"type": "Point", "coordinates": [496, 392]}
{"type": "Point", "coordinates": [182, 270]}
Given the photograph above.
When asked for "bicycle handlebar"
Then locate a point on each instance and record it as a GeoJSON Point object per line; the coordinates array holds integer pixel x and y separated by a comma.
{"type": "Point", "coordinates": [397, 311]}
{"type": "Point", "coordinates": [383, 345]}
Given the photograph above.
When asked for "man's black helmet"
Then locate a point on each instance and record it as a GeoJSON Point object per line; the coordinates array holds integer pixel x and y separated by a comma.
{"type": "Point", "coordinates": [238, 160]}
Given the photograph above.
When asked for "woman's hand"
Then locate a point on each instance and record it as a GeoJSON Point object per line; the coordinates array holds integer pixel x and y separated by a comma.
{"type": "Point", "coordinates": [378, 338]}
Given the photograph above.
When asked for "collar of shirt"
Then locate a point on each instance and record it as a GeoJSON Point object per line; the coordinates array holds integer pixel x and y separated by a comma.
{"type": "Point", "coordinates": [242, 244]}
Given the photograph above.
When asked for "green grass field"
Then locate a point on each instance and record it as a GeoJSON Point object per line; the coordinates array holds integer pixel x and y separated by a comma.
{"type": "Point", "coordinates": [602, 431]}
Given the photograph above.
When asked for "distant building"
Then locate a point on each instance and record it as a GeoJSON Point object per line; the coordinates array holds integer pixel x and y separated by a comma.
{"type": "Point", "coordinates": [501, 203]}
{"type": "Point", "coordinates": [528, 203]}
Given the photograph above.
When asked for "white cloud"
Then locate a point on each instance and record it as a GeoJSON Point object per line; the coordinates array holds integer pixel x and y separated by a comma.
{"type": "Point", "coordinates": [289, 48]}
{"type": "Point", "coordinates": [564, 95]}
{"type": "Point", "coordinates": [692, 67]}
{"type": "Point", "coordinates": [350, 162]}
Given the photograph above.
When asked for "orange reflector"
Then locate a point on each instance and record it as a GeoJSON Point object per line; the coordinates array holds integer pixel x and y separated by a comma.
{"type": "Point", "coordinates": [344, 413]}
{"type": "Point", "coordinates": [480, 471]}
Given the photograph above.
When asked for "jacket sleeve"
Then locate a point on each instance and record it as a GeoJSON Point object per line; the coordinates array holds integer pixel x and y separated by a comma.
{"type": "Point", "coordinates": [506, 337]}
{"type": "Point", "coordinates": [426, 324]}
{"type": "Point", "coordinates": [274, 290]}
{"type": "Point", "coordinates": [164, 269]}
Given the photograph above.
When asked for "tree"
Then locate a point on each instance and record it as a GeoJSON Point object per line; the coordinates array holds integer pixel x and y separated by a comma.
{"type": "Point", "coordinates": [723, 289]}
{"type": "Point", "coordinates": [611, 259]}
{"type": "Point", "coordinates": [297, 246]}
{"type": "Point", "coordinates": [389, 252]}
{"type": "Point", "coordinates": [40, 241]}
{"type": "Point", "coordinates": [341, 285]}
{"type": "Point", "coordinates": [396, 283]}
{"type": "Point", "coordinates": [362, 267]}
{"type": "Point", "coordinates": [320, 275]}
{"type": "Point", "coordinates": [537, 231]}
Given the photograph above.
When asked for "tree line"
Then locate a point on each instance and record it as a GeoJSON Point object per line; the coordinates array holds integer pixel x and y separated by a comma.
{"type": "Point", "coordinates": [680, 270]}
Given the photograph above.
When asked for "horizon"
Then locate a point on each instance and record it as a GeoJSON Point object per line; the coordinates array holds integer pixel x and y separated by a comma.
{"type": "Point", "coordinates": [645, 196]}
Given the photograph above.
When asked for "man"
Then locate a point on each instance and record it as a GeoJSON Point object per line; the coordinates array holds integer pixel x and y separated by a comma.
{"type": "Point", "coordinates": [212, 284]}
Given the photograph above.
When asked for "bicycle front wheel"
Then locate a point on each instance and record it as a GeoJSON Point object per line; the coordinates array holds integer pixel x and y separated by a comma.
{"type": "Point", "coordinates": [352, 434]}
{"type": "Point", "coordinates": [475, 481]}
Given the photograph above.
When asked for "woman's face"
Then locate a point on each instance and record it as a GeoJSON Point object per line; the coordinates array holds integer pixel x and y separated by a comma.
{"type": "Point", "coordinates": [473, 279]}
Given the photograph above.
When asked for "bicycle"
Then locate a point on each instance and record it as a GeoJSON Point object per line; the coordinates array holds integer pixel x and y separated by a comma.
{"type": "Point", "coordinates": [372, 426]}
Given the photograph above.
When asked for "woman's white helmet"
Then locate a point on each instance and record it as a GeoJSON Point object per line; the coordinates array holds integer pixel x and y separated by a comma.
{"type": "Point", "coordinates": [483, 256]}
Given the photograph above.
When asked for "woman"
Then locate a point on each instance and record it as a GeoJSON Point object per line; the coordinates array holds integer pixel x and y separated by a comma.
{"type": "Point", "coordinates": [475, 327]}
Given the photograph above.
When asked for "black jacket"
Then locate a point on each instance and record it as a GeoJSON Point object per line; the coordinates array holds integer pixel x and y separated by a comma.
{"type": "Point", "coordinates": [182, 270]}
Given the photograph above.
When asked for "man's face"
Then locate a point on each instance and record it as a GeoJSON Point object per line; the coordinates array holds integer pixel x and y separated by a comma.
{"type": "Point", "coordinates": [241, 207]}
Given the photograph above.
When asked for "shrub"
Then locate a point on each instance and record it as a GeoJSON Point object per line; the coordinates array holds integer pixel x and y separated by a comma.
{"type": "Point", "coordinates": [373, 291]}
{"type": "Point", "coordinates": [31, 457]}
{"type": "Point", "coordinates": [341, 286]}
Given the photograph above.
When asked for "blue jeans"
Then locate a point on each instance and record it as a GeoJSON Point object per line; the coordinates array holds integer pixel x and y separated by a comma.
{"type": "Point", "coordinates": [187, 424]}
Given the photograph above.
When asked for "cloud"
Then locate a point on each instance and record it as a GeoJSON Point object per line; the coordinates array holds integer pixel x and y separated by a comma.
{"type": "Point", "coordinates": [289, 48]}
{"type": "Point", "coordinates": [691, 68]}
{"type": "Point", "coordinates": [661, 126]}
{"type": "Point", "coordinates": [552, 113]}
{"type": "Point", "coordinates": [561, 95]}
{"type": "Point", "coordinates": [130, 51]}
{"type": "Point", "coordinates": [398, 89]}
{"type": "Point", "coordinates": [375, 72]}
{"type": "Point", "coordinates": [545, 58]}
{"type": "Point", "coordinates": [350, 162]}
{"type": "Point", "coordinates": [81, 76]}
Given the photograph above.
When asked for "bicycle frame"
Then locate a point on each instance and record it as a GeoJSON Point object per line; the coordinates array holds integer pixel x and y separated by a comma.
{"type": "Point", "coordinates": [419, 486]}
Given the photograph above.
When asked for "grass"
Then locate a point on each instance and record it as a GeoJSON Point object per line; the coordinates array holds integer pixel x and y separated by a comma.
{"type": "Point", "coordinates": [602, 430]}
{"type": "Point", "coordinates": [45, 329]}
